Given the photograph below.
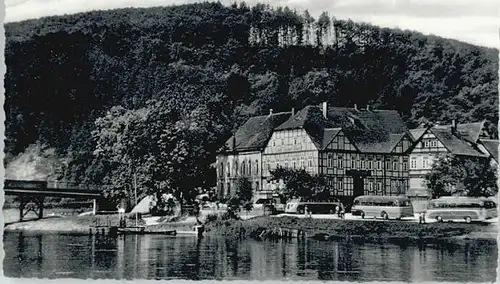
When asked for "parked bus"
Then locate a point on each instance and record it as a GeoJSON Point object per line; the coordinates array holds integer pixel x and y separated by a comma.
{"type": "Point", "coordinates": [382, 206]}
{"type": "Point", "coordinates": [298, 206]}
{"type": "Point", "coordinates": [458, 208]}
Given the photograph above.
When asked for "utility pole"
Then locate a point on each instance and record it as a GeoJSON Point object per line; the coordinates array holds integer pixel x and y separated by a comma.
{"type": "Point", "coordinates": [135, 195]}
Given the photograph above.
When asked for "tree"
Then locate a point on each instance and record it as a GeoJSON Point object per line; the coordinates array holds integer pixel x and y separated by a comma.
{"type": "Point", "coordinates": [453, 174]}
{"type": "Point", "coordinates": [165, 150]}
{"type": "Point", "coordinates": [245, 193]}
{"type": "Point", "coordinates": [299, 183]}
{"type": "Point", "coordinates": [242, 198]}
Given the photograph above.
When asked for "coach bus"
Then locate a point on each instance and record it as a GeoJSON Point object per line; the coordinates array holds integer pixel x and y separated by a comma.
{"type": "Point", "coordinates": [385, 207]}
{"type": "Point", "coordinates": [298, 206]}
{"type": "Point", "coordinates": [461, 208]}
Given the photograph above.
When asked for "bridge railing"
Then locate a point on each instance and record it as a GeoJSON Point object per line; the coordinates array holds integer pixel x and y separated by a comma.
{"type": "Point", "coordinates": [48, 185]}
{"type": "Point", "coordinates": [73, 185]}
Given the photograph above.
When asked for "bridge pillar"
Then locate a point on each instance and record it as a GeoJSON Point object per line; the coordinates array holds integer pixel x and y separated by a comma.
{"type": "Point", "coordinates": [30, 203]}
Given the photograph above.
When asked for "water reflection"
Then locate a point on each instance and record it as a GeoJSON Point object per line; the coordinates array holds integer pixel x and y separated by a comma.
{"type": "Point", "coordinates": [164, 257]}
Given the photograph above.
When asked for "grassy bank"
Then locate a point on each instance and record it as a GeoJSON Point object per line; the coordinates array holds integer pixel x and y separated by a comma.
{"type": "Point", "coordinates": [370, 231]}
{"type": "Point", "coordinates": [68, 224]}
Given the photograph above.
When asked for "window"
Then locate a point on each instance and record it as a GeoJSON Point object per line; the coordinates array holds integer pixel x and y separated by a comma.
{"type": "Point", "coordinates": [257, 185]}
{"type": "Point", "coordinates": [221, 169]}
{"type": "Point", "coordinates": [379, 186]}
{"type": "Point", "coordinates": [370, 186]}
{"type": "Point", "coordinates": [329, 161]}
{"type": "Point", "coordinates": [340, 185]}
{"type": "Point", "coordinates": [295, 141]}
{"type": "Point", "coordinates": [413, 163]}
{"type": "Point", "coordinates": [256, 167]}
{"type": "Point", "coordinates": [405, 166]}
{"type": "Point", "coordinates": [434, 143]}
{"type": "Point", "coordinates": [363, 164]}
{"type": "Point", "coordinates": [228, 169]}
{"type": "Point", "coordinates": [426, 163]}
{"type": "Point", "coordinates": [302, 164]}
{"type": "Point", "coordinates": [379, 165]}
{"type": "Point", "coordinates": [426, 144]}
{"type": "Point", "coordinates": [370, 165]}
{"type": "Point", "coordinates": [353, 164]}
{"type": "Point", "coordinates": [274, 143]}
{"type": "Point", "coordinates": [294, 165]}
{"type": "Point", "coordinates": [339, 162]}
{"type": "Point", "coordinates": [395, 166]}
{"type": "Point", "coordinates": [286, 165]}
{"type": "Point", "coordinates": [268, 167]}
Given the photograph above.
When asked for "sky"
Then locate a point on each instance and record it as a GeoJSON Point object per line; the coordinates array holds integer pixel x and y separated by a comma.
{"type": "Point", "coordinates": [472, 21]}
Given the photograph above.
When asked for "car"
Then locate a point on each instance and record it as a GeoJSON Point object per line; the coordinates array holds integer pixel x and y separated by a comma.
{"type": "Point", "coordinates": [259, 203]}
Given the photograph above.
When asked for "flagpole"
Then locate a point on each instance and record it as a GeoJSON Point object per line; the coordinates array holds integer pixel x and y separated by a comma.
{"type": "Point", "coordinates": [135, 195]}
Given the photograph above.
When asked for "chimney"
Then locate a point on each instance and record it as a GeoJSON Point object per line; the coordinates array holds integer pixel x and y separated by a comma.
{"type": "Point", "coordinates": [453, 126]}
{"type": "Point", "coordinates": [325, 109]}
{"type": "Point", "coordinates": [270, 111]}
{"type": "Point", "coordinates": [355, 107]}
{"type": "Point", "coordinates": [293, 111]}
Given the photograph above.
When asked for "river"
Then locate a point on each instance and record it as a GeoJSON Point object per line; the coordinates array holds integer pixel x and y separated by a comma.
{"type": "Point", "coordinates": [163, 257]}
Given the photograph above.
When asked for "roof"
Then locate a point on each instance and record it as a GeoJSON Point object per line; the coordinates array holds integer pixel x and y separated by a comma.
{"type": "Point", "coordinates": [328, 136]}
{"type": "Point", "coordinates": [385, 146]}
{"type": "Point", "coordinates": [310, 119]}
{"type": "Point", "coordinates": [417, 133]}
{"type": "Point", "coordinates": [371, 131]}
{"type": "Point", "coordinates": [470, 131]}
{"type": "Point", "coordinates": [375, 131]}
{"type": "Point", "coordinates": [455, 144]}
{"type": "Point", "coordinates": [491, 146]}
{"type": "Point", "coordinates": [255, 132]}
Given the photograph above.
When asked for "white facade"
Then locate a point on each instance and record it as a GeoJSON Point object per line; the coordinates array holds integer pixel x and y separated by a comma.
{"type": "Point", "coordinates": [231, 167]}
{"type": "Point", "coordinates": [290, 149]}
{"type": "Point", "coordinates": [422, 157]}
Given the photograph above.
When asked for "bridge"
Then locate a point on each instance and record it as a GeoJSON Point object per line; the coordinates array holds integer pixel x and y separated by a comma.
{"type": "Point", "coordinates": [32, 193]}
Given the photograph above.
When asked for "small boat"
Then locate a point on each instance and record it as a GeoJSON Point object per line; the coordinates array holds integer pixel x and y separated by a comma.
{"type": "Point", "coordinates": [131, 230]}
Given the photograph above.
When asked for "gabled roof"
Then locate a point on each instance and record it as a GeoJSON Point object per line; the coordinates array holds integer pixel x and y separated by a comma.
{"type": "Point", "coordinates": [375, 131]}
{"type": "Point", "coordinates": [255, 132]}
{"type": "Point", "coordinates": [328, 136]}
{"type": "Point", "coordinates": [417, 133]}
{"type": "Point", "coordinates": [470, 131]}
{"type": "Point", "coordinates": [310, 119]}
{"type": "Point", "coordinates": [491, 146]}
{"type": "Point", "coordinates": [455, 144]}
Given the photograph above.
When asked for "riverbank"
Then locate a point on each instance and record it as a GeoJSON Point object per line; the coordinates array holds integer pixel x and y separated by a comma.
{"type": "Point", "coordinates": [271, 227]}
{"type": "Point", "coordinates": [388, 231]}
{"type": "Point", "coordinates": [56, 222]}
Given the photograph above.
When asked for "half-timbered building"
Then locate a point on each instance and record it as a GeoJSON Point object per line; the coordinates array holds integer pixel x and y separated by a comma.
{"type": "Point", "coordinates": [359, 152]}
{"type": "Point", "coordinates": [433, 141]}
{"type": "Point", "coordinates": [241, 156]}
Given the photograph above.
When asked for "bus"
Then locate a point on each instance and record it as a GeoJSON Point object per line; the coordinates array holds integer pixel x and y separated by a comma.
{"type": "Point", "coordinates": [461, 208]}
{"type": "Point", "coordinates": [298, 206]}
{"type": "Point", "coordinates": [385, 207]}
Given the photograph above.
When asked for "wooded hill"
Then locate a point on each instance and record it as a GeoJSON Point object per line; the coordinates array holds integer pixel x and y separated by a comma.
{"type": "Point", "coordinates": [216, 65]}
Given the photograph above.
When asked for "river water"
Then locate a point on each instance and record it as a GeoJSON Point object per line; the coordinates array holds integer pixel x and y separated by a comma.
{"type": "Point", "coordinates": [164, 257]}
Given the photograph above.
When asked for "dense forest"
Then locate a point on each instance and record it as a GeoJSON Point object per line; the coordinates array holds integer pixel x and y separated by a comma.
{"type": "Point", "coordinates": [156, 91]}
